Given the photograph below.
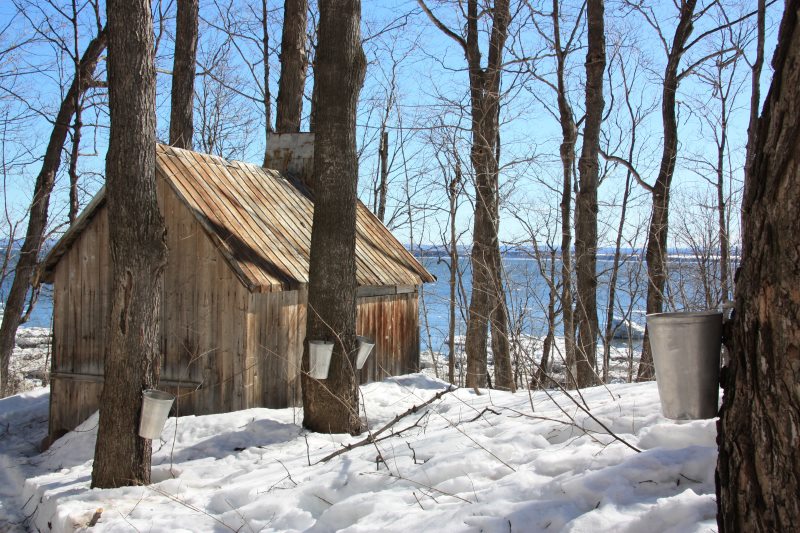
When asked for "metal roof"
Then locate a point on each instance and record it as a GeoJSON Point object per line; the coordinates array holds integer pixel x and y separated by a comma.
{"type": "Point", "coordinates": [260, 220]}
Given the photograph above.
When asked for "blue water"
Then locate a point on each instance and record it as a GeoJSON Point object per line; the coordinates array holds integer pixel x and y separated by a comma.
{"type": "Point", "coordinates": [42, 314]}
{"type": "Point", "coordinates": [527, 295]}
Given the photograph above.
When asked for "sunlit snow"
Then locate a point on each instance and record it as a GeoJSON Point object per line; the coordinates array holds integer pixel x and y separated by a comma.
{"type": "Point", "coordinates": [490, 462]}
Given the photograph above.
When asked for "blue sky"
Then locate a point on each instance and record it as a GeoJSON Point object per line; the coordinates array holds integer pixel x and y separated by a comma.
{"type": "Point", "coordinates": [430, 83]}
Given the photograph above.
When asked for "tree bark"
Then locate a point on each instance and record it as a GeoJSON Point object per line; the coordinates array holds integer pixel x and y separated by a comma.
{"type": "Point", "coordinates": [181, 125]}
{"type": "Point", "coordinates": [586, 201]}
{"type": "Point", "coordinates": [569, 136]}
{"type": "Point", "coordinates": [294, 63]}
{"type": "Point", "coordinates": [485, 99]}
{"type": "Point", "coordinates": [383, 183]}
{"type": "Point", "coordinates": [138, 248]}
{"type": "Point", "coordinates": [539, 378]}
{"type": "Point", "coordinates": [755, 82]}
{"type": "Point", "coordinates": [484, 83]}
{"type": "Point", "coordinates": [24, 273]}
{"type": "Point", "coordinates": [498, 317]}
{"type": "Point", "coordinates": [758, 469]}
{"type": "Point", "coordinates": [331, 405]}
{"type": "Point", "coordinates": [453, 190]}
{"type": "Point", "coordinates": [267, 103]}
{"type": "Point", "coordinates": [612, 283]}
{"type": "Point", "coordinates": [656, 249]}
{"type": "Point", "coordinates": [724, 245]}
{"type": "Point", "coordinates": [72, 170]}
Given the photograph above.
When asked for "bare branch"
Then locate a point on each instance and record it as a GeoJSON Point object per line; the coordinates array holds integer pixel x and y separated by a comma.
{"type": "Point", "coordinates": [438, 23]}
{"type": "Point", "coordinates": [629, 167]}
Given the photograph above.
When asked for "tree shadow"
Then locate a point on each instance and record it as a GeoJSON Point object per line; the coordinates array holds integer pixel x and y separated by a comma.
{"type": "Point", "coordinates": [258, 433]}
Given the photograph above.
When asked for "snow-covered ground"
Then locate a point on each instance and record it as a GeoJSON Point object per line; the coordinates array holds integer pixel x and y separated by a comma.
{"type": "Point", "coordinates": [466, 462]}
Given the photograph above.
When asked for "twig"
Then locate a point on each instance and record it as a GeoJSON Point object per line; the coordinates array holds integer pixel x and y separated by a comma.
{"type": "Point", "coordinates": [418, 502]}
{"type": "Point", "coordinates": [485, 409]}
{"type": "Point", "coordinates": [190, 506]}
{"type": "Point", "coordinates": [478, 444]}
{"type": "Point", "coordinates": [423, 485]}
{"type": "Point", "coordinates": [588, 413]}
{"type": "Point", "coordinates": [572, 423]}
{"type": "Point", "coordinates": [372, 437]}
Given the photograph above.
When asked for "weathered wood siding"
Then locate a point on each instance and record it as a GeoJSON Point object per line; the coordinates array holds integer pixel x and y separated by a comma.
{"type": "Point", "coordinates": [81, 302]}
{"type": "Point", "coordinates": [278, 330]}
{"type": "Point", "coordinates": [80, 311]}
{"type": "Point", "coordinates": [204, 326]}
{"type": "Point", "coordinates": [279, 324]}
{"type": "Point", "coordinates": [392, 321]}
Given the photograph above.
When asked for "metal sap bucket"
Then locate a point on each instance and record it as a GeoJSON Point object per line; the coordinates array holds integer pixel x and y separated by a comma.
{"type": "Point", "coordinates": [155, 409]}
{"type": "Point", "coordinates": [319, 358]}
{"type": "Point", "coordinates": [686, 348]}
{"type": "Point", "coordinates": [365, 346]}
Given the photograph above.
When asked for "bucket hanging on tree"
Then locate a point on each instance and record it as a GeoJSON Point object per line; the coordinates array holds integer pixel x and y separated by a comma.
{"type": "Point", "coordinates": [686, 348]}
{"type": "Point", "coordinates": [155, 409]}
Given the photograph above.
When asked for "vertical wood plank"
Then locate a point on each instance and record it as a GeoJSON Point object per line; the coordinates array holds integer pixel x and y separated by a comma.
{"type": "Point", "coordinates": [103, 283]}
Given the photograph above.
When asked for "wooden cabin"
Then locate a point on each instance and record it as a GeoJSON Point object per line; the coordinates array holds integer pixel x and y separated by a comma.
{"type": "Point", "coordinates": [235, 290]}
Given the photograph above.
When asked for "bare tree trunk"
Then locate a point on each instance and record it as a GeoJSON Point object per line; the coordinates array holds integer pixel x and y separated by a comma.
{"type": "Point", "coordinates": [540, 380]}
{"type": "Point", "coordinates": [383, 184]}
{"type": "Point", "coordinates": [724, 247]}
{"type": "Point", "coordinates": [569, 136]}
{"type": "Point", "coordinates": [77, 124]}
{"type": "Point", "coordinates": [586, 202]}
{"type": "Point", "coordinates": [24, 273]}
{"type": "Point", "coordinates": [758, 469]}
{"type": "Point", "coordinates": [612, 283]}
{"type": "Point", "coordinates": [138, 248]}
{"type": "Point", "coordinates": [181, 125]}
{"type": "Point", "coordinates": [294, 63]}
{"type": "Point", "coordinates": [484, 86]}
{"type": "Point", "coordinates": [656, 249]}
{"type": "Point", "coordinates": [454, 187]}
{"type": "Point", "coordinates": [498, 316]}
{"type": "Point", "coordinates": [74, 153]}
{"type": "Point", "coordinates": [331, 405]}
{"type": "Point", "coordinates": [755, 83]}
{"type": "Point", "coordinates": [485, 98]}
{"type": "Point", "coordinates": [267, 103]}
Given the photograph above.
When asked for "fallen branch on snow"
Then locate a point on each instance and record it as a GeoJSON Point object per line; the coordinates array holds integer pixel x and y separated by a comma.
{"type": "Point", "coordinates": [372, 437]}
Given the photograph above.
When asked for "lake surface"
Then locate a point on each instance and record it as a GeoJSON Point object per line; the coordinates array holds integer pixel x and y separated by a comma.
{"type": "Point", "coordinates": [527, 293]}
